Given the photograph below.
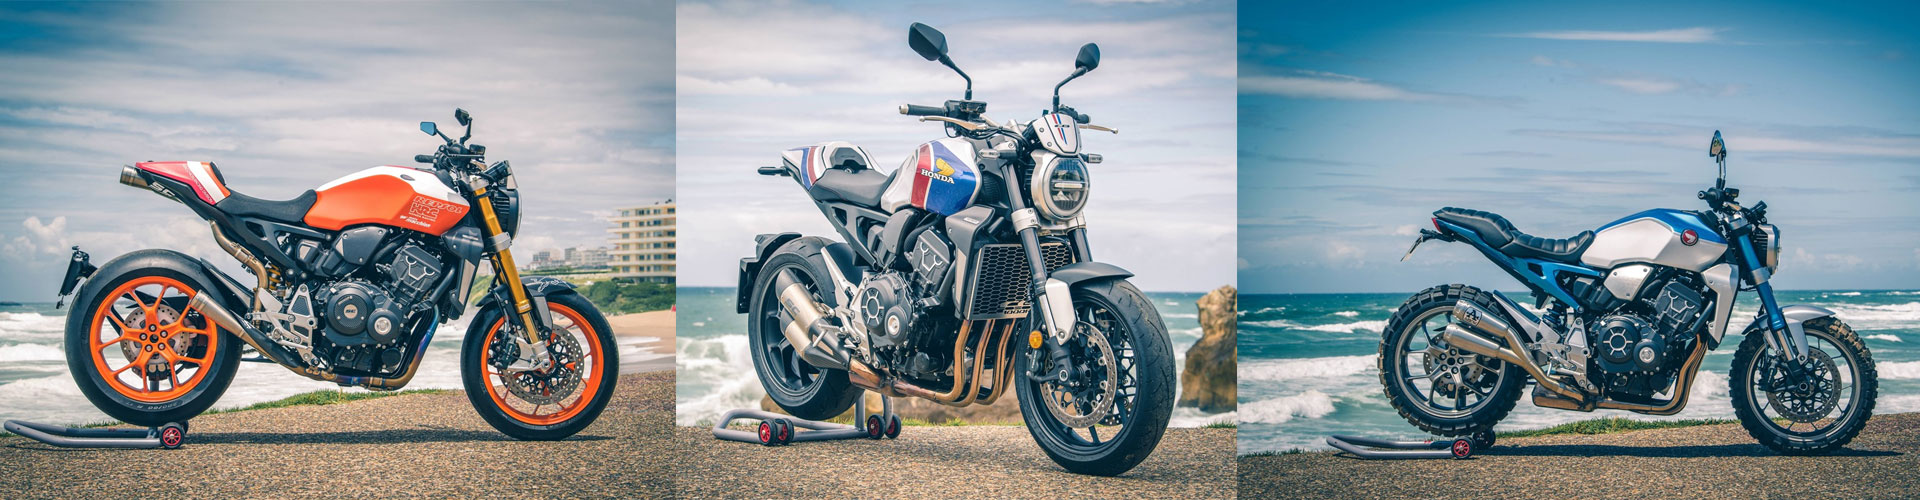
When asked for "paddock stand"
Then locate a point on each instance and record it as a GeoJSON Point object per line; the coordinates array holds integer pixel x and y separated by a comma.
{"type": "Point", "coordinates": [776, 429]}
{"type": "Point", "coordinates": [1457, 449]}
{"type": "Point", "coordinates": [170, 435]}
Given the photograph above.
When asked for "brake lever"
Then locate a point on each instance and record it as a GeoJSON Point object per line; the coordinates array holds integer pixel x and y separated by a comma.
{"type": "Point", "coordinates": [969, 126]}
{"type": "Point", "coordinates": [1090, 126]}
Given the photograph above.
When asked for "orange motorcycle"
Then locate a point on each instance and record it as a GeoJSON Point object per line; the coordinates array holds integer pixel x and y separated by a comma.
{"type": "Point", "coordinates": [350, 282]}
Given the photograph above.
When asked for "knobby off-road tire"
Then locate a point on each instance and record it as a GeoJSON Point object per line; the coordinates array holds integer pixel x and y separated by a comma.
{"type": "Point", "coordinates": [1754, 418]}
{"type": "Point", "coordinates": [1429, 307]}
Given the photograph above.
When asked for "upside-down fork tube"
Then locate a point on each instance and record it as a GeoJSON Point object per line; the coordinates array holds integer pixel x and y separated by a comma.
{"type": "Point", "coordinates": [504, 266]}
{"type": "Point", "coordinates": [1481, 324]}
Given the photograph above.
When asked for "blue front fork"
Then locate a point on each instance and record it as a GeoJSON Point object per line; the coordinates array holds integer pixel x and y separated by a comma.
{"type": "Point", "coordinates": [1776, 322]}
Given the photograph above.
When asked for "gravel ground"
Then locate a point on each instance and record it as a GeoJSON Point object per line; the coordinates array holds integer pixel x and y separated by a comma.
{"type": "Point", "coordinates": [945, 462]}
{"type": "Point", "coordinates": [1719, 461]}
{"type": "Point", "coordinates": [404, 446]}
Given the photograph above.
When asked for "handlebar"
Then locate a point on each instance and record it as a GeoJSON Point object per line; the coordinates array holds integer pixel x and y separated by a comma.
{"type": "Point", "coordinates": [1078, 117]}
{"type": "Point", "coordinates": [780, 171]}
{"type": "Point", "coordinates": [423, 158]}
{"type": "Point", "coordinates": [918, 110]}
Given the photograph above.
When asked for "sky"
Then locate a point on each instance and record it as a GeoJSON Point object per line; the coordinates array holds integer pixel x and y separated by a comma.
{"type": "Point", "coordinates": [285, 97]}
{"type": "Point", "coordinates": [755, 79]}
{"type": "Point", "coordinates": [1358, 120]}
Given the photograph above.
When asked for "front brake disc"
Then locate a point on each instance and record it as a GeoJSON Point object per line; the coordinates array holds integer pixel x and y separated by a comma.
{"type": "Point", "coordinates": [1811, 400]}
{"type": "Point", "coordinates": [1077, 412]}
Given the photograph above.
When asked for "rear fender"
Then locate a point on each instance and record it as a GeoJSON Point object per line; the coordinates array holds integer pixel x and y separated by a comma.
{"type": "Point", "coordinates": [764, 246]}
{"type": "Point", "coordinates": [202, 275]}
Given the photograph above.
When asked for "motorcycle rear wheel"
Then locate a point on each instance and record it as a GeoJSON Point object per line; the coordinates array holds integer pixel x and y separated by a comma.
{"type": "Point", "coordinates": [1441, 406]}
{"type": "Point", "coordinates": [803, 390]}
{"type": "Point", "coordinates": [137, 351]}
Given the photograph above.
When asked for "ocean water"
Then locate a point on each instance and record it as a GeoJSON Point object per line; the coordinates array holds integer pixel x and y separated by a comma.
{"type": "Point", "coordinates": [1308, 368]}
{"type": "Point", "coordinates": [35, 384]}
{"type": "Point", "coordinates": [714, 369]}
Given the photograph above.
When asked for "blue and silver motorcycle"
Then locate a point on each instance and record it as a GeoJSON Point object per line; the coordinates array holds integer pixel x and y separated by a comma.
{"type": "Point", "coordinates": [1626, 314]}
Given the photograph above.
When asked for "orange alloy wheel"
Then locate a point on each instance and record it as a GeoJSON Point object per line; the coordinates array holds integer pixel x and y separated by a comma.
{"type": "Point", "coordinates": [162, 356]}
{"type": "Point", "coordinates": [566, 322]}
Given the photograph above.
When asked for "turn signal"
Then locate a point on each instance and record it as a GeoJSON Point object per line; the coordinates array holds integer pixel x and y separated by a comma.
{"type": "Point", "coordinates": [1033, 339]}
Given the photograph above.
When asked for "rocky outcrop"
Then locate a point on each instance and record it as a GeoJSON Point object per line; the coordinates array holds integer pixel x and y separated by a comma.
{"type": "Point", "coordinates": [1209, 380]}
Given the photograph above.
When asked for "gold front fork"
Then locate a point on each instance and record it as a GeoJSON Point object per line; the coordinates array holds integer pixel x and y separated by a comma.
{"type": "Point", "coordinates": [504, 269]}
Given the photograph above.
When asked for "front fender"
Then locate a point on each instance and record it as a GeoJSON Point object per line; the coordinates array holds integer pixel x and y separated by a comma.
{"type": "Point", "coordinates": [1797, 315]}
{"type": "Point", "coordinates": [538, 289]}
{"type": "Point", "coordinates": [1078, 273]}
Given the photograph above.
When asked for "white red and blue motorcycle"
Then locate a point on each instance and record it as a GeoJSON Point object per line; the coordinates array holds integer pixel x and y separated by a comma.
{"type": "Point", "coordinates": [1629, 312]}
{"type": "Point", "coordinates": [349, 283]}
{"type": "Point", "coordinates": [963, 275]}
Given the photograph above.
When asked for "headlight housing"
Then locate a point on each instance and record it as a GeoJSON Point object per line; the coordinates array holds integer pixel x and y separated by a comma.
{"type": "Point", "coordinates": [506, 207]}
{"type": "Point", "coordinates": [1060, 187]}
{"type": "Point", "coordinates": [1767, 240]}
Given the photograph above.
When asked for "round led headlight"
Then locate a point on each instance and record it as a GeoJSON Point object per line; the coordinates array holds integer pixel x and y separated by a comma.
{"type": "Point", "coordinates": [1060, 187]}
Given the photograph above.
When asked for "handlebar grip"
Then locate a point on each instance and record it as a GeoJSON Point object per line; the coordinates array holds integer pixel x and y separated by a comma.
{"type": "Point", "coordinates": [781, 171]}
{"type": "Point", "coordinates": [423, 158]}
{"type": "Point", "coordinates": [918, 110]}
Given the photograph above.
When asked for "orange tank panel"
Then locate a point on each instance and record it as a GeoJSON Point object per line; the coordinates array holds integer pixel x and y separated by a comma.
{"type": "Point", "coordinates": [384, 200]}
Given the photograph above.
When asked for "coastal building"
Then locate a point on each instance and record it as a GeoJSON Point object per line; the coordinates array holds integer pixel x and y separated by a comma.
{"type": "Point", "coordinates": [642, 241]}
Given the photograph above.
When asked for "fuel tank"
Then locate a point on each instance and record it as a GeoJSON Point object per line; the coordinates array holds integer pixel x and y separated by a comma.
{"type": "Point", "coordinates": [389, 196]}
{"type": "Point", "coordinates": [1672, 238]}
{"type": "Point", "coordinates": [943, 179]}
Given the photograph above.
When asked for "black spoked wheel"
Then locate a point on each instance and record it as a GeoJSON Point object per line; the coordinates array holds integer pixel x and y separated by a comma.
{"type": "Point", "coordinates": [1810, 405]}
{"type": "Point", "coordinates": [1111, 417]}
{"type": "Point", "coordinates": [1437, 387]}
{"type": "Point", "coordinates": [803, 390]}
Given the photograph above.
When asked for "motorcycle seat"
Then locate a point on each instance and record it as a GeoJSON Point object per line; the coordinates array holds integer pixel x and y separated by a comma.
{"type": "Point", "coordinates": [288, 211]}
{"type": "Point", "coordinates": [1500, 234]}
{"type": "Point", "coordinates": [861, 186]}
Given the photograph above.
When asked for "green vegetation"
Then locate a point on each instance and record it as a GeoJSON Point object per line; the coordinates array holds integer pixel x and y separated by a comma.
{"type": "Point", "coordinates": [612, 296]}
{"type": "Point", "coordinates": [618, 297]}
{"type": "Point", "coordinates": [1295, 451]}
{"type": "Point", "coordinates": [327, 397]}
{"type": "Point", "coordinates": [1613, 424]}
{"type": "Point", "coordinates": [1222, 425]}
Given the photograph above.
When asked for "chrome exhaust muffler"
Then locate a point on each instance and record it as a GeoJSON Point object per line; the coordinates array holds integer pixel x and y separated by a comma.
{"type": "Point", "coordinates": [131, 177]}
{"type": "Point", "coordinates": [811, 336]}
{"type": "Point", "coordinates": [1474, 330]}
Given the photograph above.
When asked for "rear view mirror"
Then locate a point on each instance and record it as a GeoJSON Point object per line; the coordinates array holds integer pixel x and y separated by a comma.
{"type": "Point", "coordinates": [926, 41]}
{"type": "Point", "coordinates": [1088, 59]}
{"type": "Point", "coordinates": [460, 115]}
{"type": "Point", "coordinates": [429, 128]}
{"type": "Point", "coordinates": [1717, 148]}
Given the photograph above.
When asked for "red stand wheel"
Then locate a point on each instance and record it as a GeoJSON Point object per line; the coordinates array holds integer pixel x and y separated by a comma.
{"type": "Point", "coordinates": [874, 427]}
{"type": "Point", "coordinates": [893, 426]}
{"type": "Point", "coordinates": [1462, 448]}
{"type": "Point", "coordinates": [783, 431]}
{"type": "Point", "coordinates": [766, 434]}
{"type": "Point", "coordinates": [172, 436]}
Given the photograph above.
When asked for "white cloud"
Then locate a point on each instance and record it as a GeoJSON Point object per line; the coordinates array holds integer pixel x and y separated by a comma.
{"type": "Point", "coordinates": [1551, 62]}
{"type": "Point", "coordinates": [1684, 35]}
{"type": "Point", "coordinates": [1321, 85]}
{"type": "Point", "coordinates": [1658, 85]}
{"type": "Point", "coordinates": [1689, 138]}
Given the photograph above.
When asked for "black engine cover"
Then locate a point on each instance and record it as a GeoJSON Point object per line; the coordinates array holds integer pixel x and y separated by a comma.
{"type": "Point", "coordinates": [357, 313]}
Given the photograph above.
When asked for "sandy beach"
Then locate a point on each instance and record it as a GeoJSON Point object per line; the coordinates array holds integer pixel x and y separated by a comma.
{"type": "Point", "coordinates": [646, 340]}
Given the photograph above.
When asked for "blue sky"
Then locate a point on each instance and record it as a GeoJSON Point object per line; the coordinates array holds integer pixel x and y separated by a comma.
{"type": "Point", "coordinates": [1358, 120]}
{"type": "Point", "coordinates": [285, 97]}
{"type": "Point", "coordinates": [755, 79]}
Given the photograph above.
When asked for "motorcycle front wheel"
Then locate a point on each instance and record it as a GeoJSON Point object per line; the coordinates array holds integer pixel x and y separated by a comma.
{"type": "Point", "coordinates": [547, 404]}
{"type": "Point", "coordinates": [1810, 409]}
{"type": "Point", "coordinates": [1116, 327]}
